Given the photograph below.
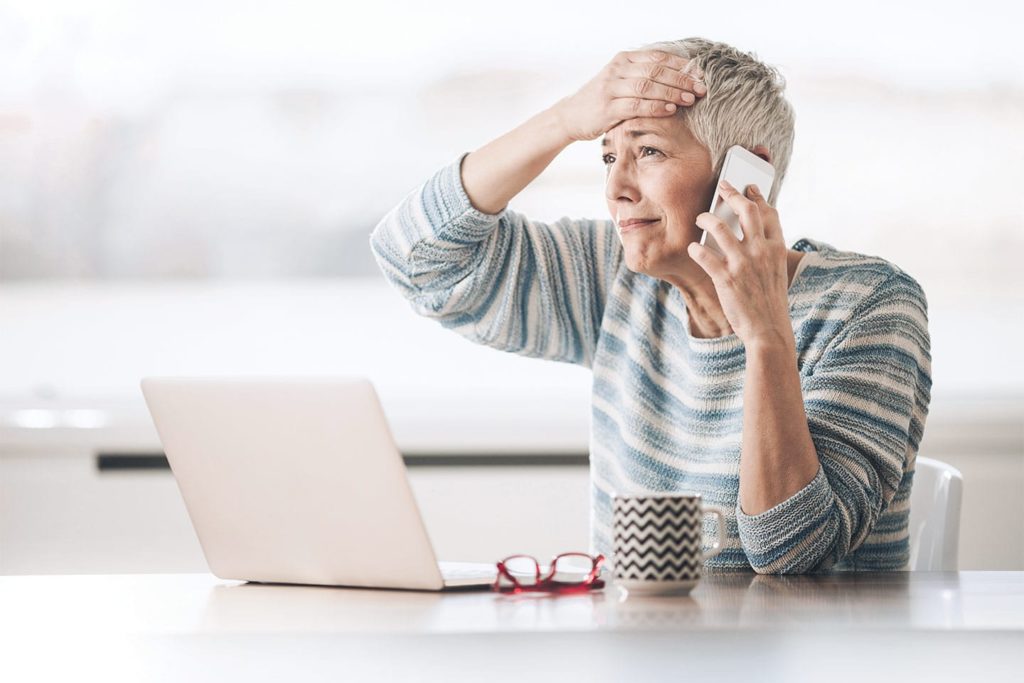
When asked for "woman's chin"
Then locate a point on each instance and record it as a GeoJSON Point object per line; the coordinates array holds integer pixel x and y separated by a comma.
{"type": "Point", "coordinates": [651, 252]}
{"type": "Point", "coordinates": [638, 263]}
{"type": "Point", "coordinates": [658, 265]}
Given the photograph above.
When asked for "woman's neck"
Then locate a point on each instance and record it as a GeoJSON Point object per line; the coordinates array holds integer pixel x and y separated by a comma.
{"type": "Point", "coordinates": [704, 311]}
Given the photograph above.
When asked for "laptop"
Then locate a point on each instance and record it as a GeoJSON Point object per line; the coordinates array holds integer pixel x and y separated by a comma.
{"type": "Point", "coordinates": [298, 481]}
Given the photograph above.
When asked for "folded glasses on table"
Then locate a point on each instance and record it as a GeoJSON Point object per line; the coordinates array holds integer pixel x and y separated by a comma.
{"type": "Point", "coordinates": [567, 573]}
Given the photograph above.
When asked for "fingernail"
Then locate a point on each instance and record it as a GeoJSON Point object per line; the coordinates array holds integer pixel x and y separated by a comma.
{"type": "Point", "coordinates": [700, 89]}
{"type": "Point", "coordinates": [753, 191]}
{"type": "Point", "coordinates": [725, 185]}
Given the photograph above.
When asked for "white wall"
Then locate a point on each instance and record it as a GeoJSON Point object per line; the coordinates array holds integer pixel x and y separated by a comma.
{"type": "Point", "coordinates": [58, 514]}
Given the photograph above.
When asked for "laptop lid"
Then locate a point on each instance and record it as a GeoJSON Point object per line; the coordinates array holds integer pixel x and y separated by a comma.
{"type": "Point", "coordinates": [293, 481]}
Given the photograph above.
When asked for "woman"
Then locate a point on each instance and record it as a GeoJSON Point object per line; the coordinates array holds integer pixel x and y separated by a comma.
{"type": "Point", "coordinates": [789, 386]}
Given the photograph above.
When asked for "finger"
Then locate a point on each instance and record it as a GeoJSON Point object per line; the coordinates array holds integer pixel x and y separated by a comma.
{"type": "Point", "coordinates": [652, 79]}
{"type": "Point", "coordinates": [687, 68]}
{"type": "Point", "coordinates": [693, 71]}
{"type": "Point", "coordinates": [712, 263]}
{"type": "Point", "coordinates": [649, 89]}
{"type": "Point", "coordinates": [769, 216]}
{"type": "Point", "coordinates": [623, 108]}
{"type": "Point", "coordinates": [720, 230]}
{"type": "Point", "coordinates": [747, 210]}
{"type": "Point", "coordinates": [658, 57]}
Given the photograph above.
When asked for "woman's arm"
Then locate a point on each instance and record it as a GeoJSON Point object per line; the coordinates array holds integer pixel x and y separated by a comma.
{"type": "Point", "coordinates": [504, 281]}
{"type": "Point", "coordinates": [865, 401]}
{"type": "Point", "coordinates": [498, 171]}
{"type": "Point", "coordinates": [823, 455]}
{"type": "Point", "coordinates": [751, 281]}
{"type": "Point", "coordinates": [501, 279]}
{"type": "Point", "coordinates": [778, 458]}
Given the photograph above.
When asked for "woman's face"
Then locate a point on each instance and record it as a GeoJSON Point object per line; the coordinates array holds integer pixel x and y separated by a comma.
{"type": "Point", "coordinates": [656, 170]}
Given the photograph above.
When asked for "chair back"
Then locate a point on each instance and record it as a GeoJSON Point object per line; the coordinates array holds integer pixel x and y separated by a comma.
{"type": "Point", "coordinates": [935, 516]}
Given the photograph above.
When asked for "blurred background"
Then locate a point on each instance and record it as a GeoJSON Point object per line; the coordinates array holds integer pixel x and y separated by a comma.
{"type": "Point", "coordinates": [189, 188]}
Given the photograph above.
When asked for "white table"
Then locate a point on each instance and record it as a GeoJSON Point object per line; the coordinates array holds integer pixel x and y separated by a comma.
{"type": "Point", "coordinates": [178, 627]}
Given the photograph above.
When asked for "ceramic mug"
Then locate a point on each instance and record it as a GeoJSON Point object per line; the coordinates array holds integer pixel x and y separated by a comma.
{"type": "Point", "coordinates": [657, 542]}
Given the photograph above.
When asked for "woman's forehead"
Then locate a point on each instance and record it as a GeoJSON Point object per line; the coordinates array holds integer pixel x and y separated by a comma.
{"type": "Point", "coordinates": [668, 128]}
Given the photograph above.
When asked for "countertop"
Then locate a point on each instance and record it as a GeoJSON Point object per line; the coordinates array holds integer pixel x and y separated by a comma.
{"type": "Point", "coordinates": [921, 626]}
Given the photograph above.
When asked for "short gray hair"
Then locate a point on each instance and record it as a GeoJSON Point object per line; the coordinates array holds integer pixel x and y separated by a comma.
{"type": "Point", "coordinates": [744, 104]}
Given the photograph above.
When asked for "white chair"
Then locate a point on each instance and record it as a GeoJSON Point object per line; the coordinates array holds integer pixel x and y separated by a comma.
{"type": "Point", "coordinates": [935, 516]}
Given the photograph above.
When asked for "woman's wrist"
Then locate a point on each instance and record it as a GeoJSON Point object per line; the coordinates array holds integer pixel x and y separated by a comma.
{"type": "Point", "coordinates": [558, 118]}
{"type": "Point", "coordinates": [770, 345]}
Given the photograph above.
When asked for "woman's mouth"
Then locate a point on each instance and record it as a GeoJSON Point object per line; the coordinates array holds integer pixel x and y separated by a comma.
{"type": "Point", "coordinates": [635, 224]}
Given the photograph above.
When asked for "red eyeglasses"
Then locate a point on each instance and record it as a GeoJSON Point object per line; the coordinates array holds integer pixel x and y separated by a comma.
{"type": "Point", "coordinates": [568, 573]}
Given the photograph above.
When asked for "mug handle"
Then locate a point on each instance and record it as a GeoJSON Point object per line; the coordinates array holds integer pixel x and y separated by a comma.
{"type": "Point", "coordinates": [720, 543]}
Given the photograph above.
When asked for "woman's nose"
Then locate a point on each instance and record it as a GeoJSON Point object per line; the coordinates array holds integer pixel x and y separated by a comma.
{"type": "Point", "coordinates": [621, 183]}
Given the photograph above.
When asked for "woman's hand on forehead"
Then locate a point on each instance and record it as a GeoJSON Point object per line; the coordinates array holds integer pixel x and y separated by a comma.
{"type": "Point", "coordinates": [642, 83]}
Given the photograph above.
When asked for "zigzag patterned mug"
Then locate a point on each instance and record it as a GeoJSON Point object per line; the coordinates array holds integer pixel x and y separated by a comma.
{"type": "Point", "coordinates": [657, 542]}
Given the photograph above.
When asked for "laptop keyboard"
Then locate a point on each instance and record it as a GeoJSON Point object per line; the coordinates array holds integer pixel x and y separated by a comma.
{"type": "Point", "coordinates": [467, 570]}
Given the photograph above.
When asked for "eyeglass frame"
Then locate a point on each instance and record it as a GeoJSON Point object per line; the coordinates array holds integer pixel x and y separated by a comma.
{"type": "Point", "coordinates": [548, 584]}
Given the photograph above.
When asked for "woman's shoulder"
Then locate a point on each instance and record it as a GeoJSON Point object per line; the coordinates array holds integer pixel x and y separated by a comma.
{"type": "Point", "coordinates": [853, 278]}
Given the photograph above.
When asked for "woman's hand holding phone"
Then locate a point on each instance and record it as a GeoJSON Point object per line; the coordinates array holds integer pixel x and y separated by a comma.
{"type": "Point", "coordinates": [751, 276]}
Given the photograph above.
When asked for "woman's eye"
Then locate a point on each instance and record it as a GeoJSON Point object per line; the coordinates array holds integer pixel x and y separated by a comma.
{"type": "Point", "coordinates": [609, 158]}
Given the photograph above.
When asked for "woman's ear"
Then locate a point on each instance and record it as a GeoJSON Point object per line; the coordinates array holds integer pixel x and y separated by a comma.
{"type": "Point", "coordinates": [762, 151]}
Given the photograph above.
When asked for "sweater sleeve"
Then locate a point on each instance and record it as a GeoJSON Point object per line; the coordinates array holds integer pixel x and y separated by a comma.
{"type": "Point", "coordinates": [866, 399]}
{"type": "Point", "coordinates": [501, 280]}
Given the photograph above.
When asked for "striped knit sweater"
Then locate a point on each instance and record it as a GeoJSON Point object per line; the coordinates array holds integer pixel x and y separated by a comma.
{"type": "Point", "coordinates": [667, 408]}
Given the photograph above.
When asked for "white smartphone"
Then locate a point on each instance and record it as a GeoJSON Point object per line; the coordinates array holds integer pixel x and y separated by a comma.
{"type": "Point", "coordinates": [741, 168]}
